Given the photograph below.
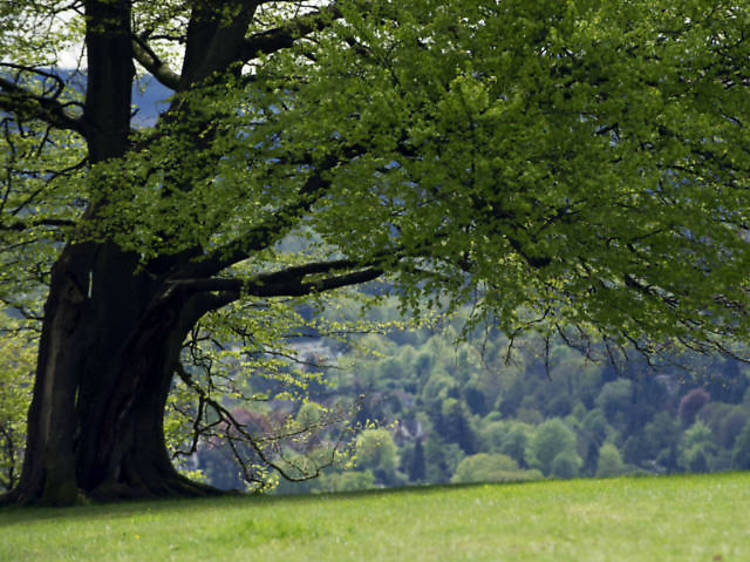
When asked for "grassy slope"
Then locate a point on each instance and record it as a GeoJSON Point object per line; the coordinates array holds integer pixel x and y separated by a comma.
{"type": "Point", "coordinates": [675, 518]}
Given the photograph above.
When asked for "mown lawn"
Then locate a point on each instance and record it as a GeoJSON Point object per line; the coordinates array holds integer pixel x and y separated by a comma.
{"type": "Point", "coordinates": [664, 518]}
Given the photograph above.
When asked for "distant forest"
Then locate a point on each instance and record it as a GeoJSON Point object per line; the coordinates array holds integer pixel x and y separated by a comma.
{"type": "Point", "coordinates": [436, 408]}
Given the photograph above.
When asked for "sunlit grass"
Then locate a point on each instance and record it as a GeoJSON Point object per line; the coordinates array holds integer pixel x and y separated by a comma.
{"type": "Point", "coordinates": [666, 518]}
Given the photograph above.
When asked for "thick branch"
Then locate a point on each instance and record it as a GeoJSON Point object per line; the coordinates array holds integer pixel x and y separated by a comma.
{"type": "Point", "coordinates": [146, 57]}
{"type": "Point", "coordinates": [27, 105]}
{"type": "Point", "coordinates": [21, 225]}
{"type": "Point", "coordinates": [286, 283]}
{"type": "Point", "coordinates": [254, 240]}
{"type": "Point", "coordinates": [284, 36]}
{"type": "Point", "coordinates": [215, 35]}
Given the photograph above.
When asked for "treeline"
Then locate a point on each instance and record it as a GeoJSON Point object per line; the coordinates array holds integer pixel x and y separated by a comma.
{"type": "Point", "coordinates": [437, 411]}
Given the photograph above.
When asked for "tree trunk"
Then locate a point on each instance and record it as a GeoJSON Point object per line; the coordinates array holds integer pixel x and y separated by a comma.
{"type": "Point", "coordinates": [112, 332]}
{"type": "Point", "coordinates": [111, 338]}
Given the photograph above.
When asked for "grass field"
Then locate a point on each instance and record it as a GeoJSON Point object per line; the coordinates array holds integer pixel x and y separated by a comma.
{"type": "Point", "coordinates": [662, 518]}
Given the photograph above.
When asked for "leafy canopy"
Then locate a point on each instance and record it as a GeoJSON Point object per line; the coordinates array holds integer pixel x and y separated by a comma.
{"type": "Point", "coordinates": [574, 167]}
{"type": "Point", "coordinates": [579, 162]}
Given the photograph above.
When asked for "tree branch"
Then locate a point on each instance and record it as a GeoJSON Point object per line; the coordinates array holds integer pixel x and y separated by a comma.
{"type": "Point", "coordinates": [254, 240]}
{"type": "Point", "coordinates": [284, 36]}
{"type": "Point", "coordinates": [286, 283]}
{"type": "Point", "coordinates": [267, 448]}
{"type": "Point", "coordinates": [25, 104]}
{"type": "Point", "coordinates": [148, 59]}
{"type": "Point", "coordinates": [21, 225]}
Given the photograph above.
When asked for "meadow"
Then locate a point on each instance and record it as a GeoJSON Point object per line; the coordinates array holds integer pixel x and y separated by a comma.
{"type": "Point", "coordinates": [697, 517]}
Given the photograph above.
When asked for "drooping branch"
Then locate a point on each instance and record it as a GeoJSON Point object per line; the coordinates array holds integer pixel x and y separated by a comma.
{"type": "Point", "coordinates": [27, 105]}
{"type": "Point", "coordinates": [237, 435]}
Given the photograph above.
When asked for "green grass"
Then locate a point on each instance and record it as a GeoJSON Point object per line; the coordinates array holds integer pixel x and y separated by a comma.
{"type": "Point", "coordinates": [665, 518]}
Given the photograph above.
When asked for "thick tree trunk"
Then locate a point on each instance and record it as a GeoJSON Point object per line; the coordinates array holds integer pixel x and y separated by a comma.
{"type": "Point", "coordinates": [110, 342]}
{"type": "Point", "coordinates": [111, 333]}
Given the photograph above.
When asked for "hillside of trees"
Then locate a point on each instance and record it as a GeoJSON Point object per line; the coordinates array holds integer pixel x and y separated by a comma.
{"type": "Point", "coordinates": [434, 407]}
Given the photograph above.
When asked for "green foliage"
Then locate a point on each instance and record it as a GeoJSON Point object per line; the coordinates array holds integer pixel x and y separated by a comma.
{"type": "Point", "coordinates": [269, 388]}
{"type": "Point", "coordinates": [455, 426]}
{"type": "Point", "coordinates": [566, 464]}
{"type": "Point", "coordinates": [697, 448]}
{"type": "Point", "coordinates": [377, 451]}
{"type": "Point", "coordinates": [741, 449]}
{"type": "Point", "coordinates": [583, 193]}
{"type": "Point", "coordinates": [309, 414]}
{"type": "Point", "coordinates": [662, 432]}
{"type": "Point", "coordinates": [516, 440]}
{"type": "Point", "coordinates": [629, 173]}
{"type": "Point", "coordinates": [615, 399]}
{"type": "Point", "coordinates": [416, 469]}
{"type": "Point", "coordinates": [732, 425]}
{"type": "Point", "coordinates": [442, 459]}
{"type": "Point", "coordinates": [17, 365]}
{"type": "Point", "coordinates": [569, 168]}
{"type": "Point", "coordinates": [551, 439]}
{"type": "Point", "coordinates": [491, 467]}
{"type": "Point", "coordinates": [439, 387]}
{"type": "Point", "coordinates": [595, 424]}
{"type": "Point", "coordinates": [344, 482]}
{"type": "Point", "coordinates": [491, 435]}
{"type": "Point", "coordinates": [610, 462]}
{"type": "Point", "coordinates": [648, 439]}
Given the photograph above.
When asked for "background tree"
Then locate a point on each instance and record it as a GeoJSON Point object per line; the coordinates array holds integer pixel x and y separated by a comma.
{"type": "Point", "coordinates": [566, 464]}
{"type": "Point", "coordinates": [610, 461]}
{"type": "Point", "coordinates": [551, 439]}
{"type": "Point", "coordinates": [416, 469]}
{"type": "Point", "coordinates": [377, 452]}
{"type": "Point", "coordinates": [577, 169]}
{"type": "Point", "coordinates": [696, 448]}
{"type": "Point", "coordinates": [615, 400]}
{"type": "Point", "coordinates": [691, 403]}
{"type": "Point", "coordinates": [493, 467]}
{"type": "Point", "coordinates": [741, 450]}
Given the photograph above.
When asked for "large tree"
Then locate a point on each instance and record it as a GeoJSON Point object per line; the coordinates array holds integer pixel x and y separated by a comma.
{"type": "Point", "coordinates": [578, 168]}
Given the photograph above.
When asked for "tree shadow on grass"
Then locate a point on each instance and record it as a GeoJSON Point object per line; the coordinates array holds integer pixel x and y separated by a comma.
{"type": "Point", "coordinates": [14, 515]}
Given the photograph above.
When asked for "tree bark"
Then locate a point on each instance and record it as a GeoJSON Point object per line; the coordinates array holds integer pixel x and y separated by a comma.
{"type": "Point", "coordinates": [110, 343]}
{"type": "Point", "coordinates": [111, 335]}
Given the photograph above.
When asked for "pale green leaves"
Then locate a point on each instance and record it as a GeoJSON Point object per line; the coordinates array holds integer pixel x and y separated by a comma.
{"type": "Point", "coordinates": [17, 364]}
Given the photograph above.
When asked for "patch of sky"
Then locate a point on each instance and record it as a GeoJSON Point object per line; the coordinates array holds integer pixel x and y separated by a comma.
{"type": "Point", "coordinates": [150, 98]}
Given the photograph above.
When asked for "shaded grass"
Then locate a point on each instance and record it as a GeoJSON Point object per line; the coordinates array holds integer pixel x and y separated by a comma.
{"type": "Point", "coordinates": [703, 517]}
